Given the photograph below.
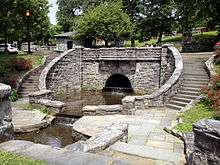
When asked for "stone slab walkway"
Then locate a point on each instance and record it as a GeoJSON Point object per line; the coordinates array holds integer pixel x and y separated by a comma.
{"type": "Point", "coordinates": [26, 120]}
{"type": "Point", "coordinates": [57, 156]}
{"type": "Point", "coordinates": [146, 137]}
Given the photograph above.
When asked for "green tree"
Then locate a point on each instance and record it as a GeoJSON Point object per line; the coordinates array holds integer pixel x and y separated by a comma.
{"type": "Point", "coordinates": [68, 10]}
{"type": "Point", "coordinates": [186, 16]}
{"type": "Point", "coordinates": [14, 20]}
{"type": "Point", "coordinates": [208, 11]}
{"type": "Point", "coordinates": [106, 21]}
{"type": "Point", "coordinates": [157, 17]}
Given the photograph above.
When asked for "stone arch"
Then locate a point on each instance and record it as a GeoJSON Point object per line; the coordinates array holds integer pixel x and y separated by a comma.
{"type": "Point", "coordinates": [118, 82]}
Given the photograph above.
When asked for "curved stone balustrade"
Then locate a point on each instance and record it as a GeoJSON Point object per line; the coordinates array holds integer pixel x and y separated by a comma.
{"type": "Point", "coordinates": [160, 96]}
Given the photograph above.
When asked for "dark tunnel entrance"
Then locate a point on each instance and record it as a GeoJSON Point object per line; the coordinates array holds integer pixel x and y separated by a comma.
{"type": "Point", "coordinates": [119, 83]}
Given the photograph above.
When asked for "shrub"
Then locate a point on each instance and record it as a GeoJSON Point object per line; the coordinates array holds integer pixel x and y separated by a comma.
{"type": "Point", "coordinates": [10, 80]}
{"type": "Point", "coordinates": [212, 94]}
{"type": "Point", "coordinates": [20, 64]}
{"type": "Point", "coordinates": [13, 97]}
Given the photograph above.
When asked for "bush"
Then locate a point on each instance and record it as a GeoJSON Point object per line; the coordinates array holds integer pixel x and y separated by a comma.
{"type": "Point", "coordinates": [212, 94]}
{"type": "Point", "coordinates": [13, 97]}
{"type": "Point", "coordinates": [10, 80]}
{"type": "Point", "coordinates": [20, 64]}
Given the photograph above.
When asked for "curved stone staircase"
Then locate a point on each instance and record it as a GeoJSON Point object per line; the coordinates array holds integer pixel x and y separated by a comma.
{"type": "Point", "coordinates": [31, 82]}
{"type": "Point", "coordinates": [195, 78]}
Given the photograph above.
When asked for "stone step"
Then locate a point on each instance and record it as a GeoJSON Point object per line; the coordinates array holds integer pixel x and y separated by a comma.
{"type": "Point", "coordinates": [196, 75]}
{"type": "Point", "coordinates": [28, 87]}
{"type": "Point", "coordinates": [191, 89]}
{"type": "Point", "coordinates": [58, 156]}
{"type": "Point", "coordinates": [196, 79]}
{"type": "Point", "coordinates": [186, 96]}
{"type": "Point", "coordinates": [187, 92]}
{"type": "Point", "coordinates": [182, 99]}
{"type": "Point", "coordinates": [201, 72]}
{"type": "Point", "coordinates": [148, 152]}
{"type": "Point", "coordinates": [179, 103]}
{"type": "Point", "coordinates": [175, 107]}
{"type": "Point", "coordinates": [195, 83]}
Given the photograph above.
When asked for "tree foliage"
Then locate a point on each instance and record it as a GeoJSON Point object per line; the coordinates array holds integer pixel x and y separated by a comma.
{"type": "Point", "coordinates": [14, 20]}
{"type": "Point", "coordinates": [107, 21]}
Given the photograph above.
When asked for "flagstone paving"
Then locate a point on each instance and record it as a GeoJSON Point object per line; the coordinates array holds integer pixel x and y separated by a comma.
{"type": "Point", "coordinates": [146, 138]}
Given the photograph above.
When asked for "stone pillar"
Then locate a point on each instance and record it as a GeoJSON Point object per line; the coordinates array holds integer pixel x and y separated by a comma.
{"type": "Point", "coordinates": [6, 128]}
{"type": "Point", "coordinates": [206, 143]}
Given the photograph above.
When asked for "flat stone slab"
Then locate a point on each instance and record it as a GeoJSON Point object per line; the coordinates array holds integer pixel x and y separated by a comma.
{"type": "Point", "coordinates": [149, 152]}
{"type": "Point", "coordinates": [92, 125]}
{"type": "Point", "coordinates": [27, 121]}
{"type": "Point", "coordinates": [57, 156]}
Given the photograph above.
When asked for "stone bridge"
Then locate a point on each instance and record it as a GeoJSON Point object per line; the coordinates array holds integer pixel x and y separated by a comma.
{"type": "Point", "coordinates": [140, 69]}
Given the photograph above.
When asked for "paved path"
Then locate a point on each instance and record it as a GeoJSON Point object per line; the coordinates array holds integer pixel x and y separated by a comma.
{"type": "Point", "coordinates": [146, 138]}
{"type": "Point", "coordinates": [58, 156]}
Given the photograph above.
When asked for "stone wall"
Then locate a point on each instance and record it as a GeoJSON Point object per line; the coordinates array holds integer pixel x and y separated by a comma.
{"type": "Point", "coordinates": [6, 128]}
{"type": "Point", "coordinates": [167, 90]}
{"type": "Point", "coordinates": [84, 67]}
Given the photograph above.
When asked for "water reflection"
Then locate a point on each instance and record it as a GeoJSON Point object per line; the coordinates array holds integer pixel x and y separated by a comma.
{"type": "Point", "coordinates": [76, 100]}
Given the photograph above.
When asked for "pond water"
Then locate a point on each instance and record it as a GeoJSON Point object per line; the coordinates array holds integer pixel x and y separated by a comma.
{"type": "Point", "coordinates": [75, 101]}
{"type": "Point", "coordinates": [54, 135]}
{"type": "Point", "coordinates": [60, 134]}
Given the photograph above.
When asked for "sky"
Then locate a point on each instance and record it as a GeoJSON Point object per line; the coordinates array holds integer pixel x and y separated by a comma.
{"type": "Point", "coordinates": [53, 10]}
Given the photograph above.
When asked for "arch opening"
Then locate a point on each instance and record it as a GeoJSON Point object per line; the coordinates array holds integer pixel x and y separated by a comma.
{"type": "Point", "coordinates": [119, 83]}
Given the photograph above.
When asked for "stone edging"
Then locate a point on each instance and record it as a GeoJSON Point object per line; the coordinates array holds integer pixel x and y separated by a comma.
{"type": "Point", "coordinates": [132, 102]}
{"type": "Point", "coordinates": [21, 80]}
{"type": "Point", "coordinates": [108, 136]}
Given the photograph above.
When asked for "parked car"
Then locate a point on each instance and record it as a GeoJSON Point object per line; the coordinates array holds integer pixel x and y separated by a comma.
{"type": "Point", "coordinates": [10, 48]}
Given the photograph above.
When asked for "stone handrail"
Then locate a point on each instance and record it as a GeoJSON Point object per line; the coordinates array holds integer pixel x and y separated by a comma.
{"type": "Point", "coordinates": [43, 76]}
{"type": "Point", "coordinates": [158, 97]}
{"type": "Point", "coordinates": [6, 128]}
{"type": "Point", "coordinates": [210, 66]}
{"type": "Point", "coordinates": [42, 97]}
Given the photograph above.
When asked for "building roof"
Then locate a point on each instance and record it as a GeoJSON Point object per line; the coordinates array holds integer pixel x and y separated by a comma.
{"type": "Point", "coordinates": [67, 34]}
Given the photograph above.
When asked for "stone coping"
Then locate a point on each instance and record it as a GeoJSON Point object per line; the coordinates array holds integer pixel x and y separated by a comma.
{"type": "Point", "coordinates": [102, 109]}
{"type": "Point", "coordinates": [169, 84]}
{"type": "Point", "coordinates": [210, 67]}
{"type": "Point", "coordinates": [4, 91]}
{"type": "Point", "coordinates": [21, 80]}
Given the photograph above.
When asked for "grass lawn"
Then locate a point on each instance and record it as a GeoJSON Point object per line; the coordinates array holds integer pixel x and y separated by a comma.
{"type": "Point", "coordinates": [12, 159]}
{"type": "Point", "coordinates": [217, 68]}
{"type": "Point", "coordinates": [173, 39]}
{"type": "Point", "coordinates": [196, 113]}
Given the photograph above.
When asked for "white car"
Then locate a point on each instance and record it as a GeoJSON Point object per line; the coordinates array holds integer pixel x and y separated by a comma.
{"type": "Point", "coordinates": [10, 48]}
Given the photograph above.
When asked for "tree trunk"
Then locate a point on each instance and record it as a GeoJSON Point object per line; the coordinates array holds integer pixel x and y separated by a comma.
{"type": "Point", "coordinates": [132, 41]}
{"type": "Point", "coordinates": [160, 37]}
{"type": "Point", "coordinates": [106, 43]}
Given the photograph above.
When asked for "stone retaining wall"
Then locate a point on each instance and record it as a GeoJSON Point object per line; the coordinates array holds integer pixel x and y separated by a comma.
{"type": "Point", "coordinates": [162, 95]}
{"type": "Point", "coordinates": [167, 59]}
{"type": "Point", "coordinates": [6, 128]}
{"type": "Point", "coordinates": [90, 68]}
